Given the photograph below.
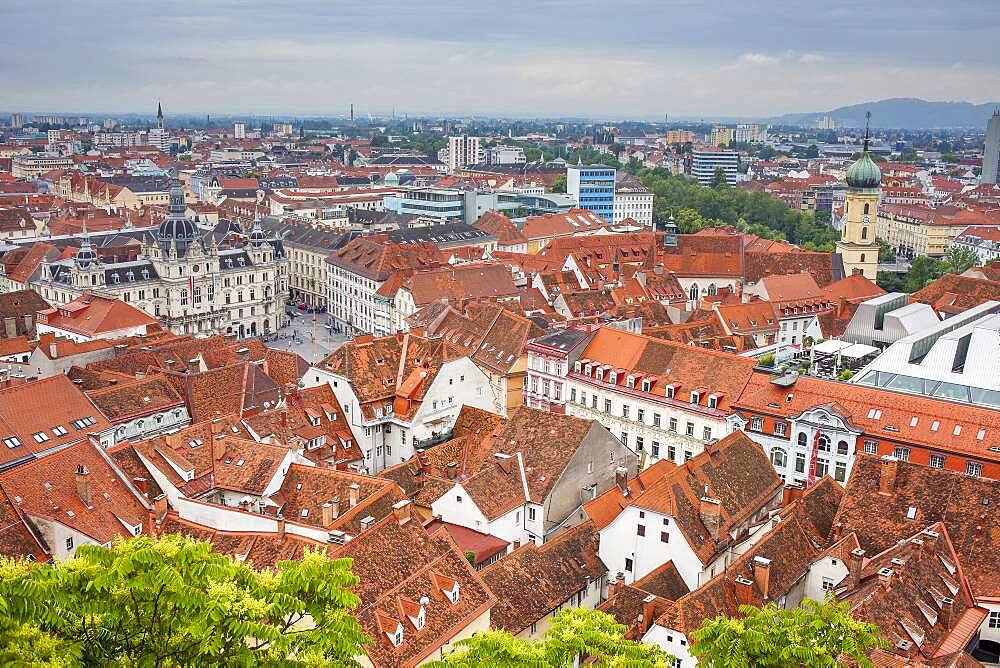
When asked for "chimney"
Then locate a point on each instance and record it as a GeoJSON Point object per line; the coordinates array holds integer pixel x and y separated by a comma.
{"type": "Point", "coordinates": [710, 511]}
{"type": "Point", "coordinates": [401, 509]}
{"type": "Point", "coordinates": [947, 612]}
{"type": "Point", "coordinates": [219, 447]}
{"type": "Point", "coordinates": [621, 479]}
{"type": "Point", "coordinates": [836, 531]}
{"type": "Point", "coordinates": [355, 490]}
{"type": "Point", "coordinates": [141, 484]}
{"type": "Point", "coordinates": [792, 492]}
{"type": "Point", "coordinates": [762, 575]}
{"type": "Point", "coordinates": [160, 507]}
{"type": "Point", "coordinates": [452, 470]}
{"type": "Point", "coordinates": [53, 351]}
{"type": "Point", "coordinates": [648, 611]}
{"type": "Point", "coordinates": [854, 561]}
{"type": "Point", "coordinates": [744, 590]}
{"type": "Point", "coordinates": [885, 577]}
{"type": "Point", "coordinates": [335, 507]}
{"type": "Point", "coordinates": [887, 474]}
{"type": "Point", "coordinates": [83, 485]}
{"type": "Point", "coordinates": [617, 585]}
{"type": "Point", "coordinates": [281, 526]}
{"type": "Point", "coordinates": [327, 514]}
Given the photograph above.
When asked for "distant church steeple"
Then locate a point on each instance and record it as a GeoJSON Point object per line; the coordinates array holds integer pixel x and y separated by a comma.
{"type": "Point", "coordinates": [858, 247]}
{"type": "Point", "coordinates": [159, 115]}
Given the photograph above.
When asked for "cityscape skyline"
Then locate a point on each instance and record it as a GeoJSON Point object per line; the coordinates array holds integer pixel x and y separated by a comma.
{"type": "Point", "coordinates": [555, 60]}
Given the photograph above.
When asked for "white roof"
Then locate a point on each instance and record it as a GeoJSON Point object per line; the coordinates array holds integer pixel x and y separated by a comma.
{"type": "Point", "coordinates": [857, 351]}
{"type": "Point", "coordinates": [831, 346]}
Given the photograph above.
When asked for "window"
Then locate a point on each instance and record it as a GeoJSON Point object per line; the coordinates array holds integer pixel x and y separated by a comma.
{"type": "Point", "coordinates": [640, 529]}
{"type": "Point", "coordinates": [593, 401]}
{"type": "Point", "coordinates": [803, 440]}
{"type": "Point", "coordinates": [664, 537]}
{"type": "Point", "coordinates": [638, 443]}
{"type": "Point", "coordinates": [689, 429]}
{"type": "Point", "coordinates": [994, 619]}
{"type": "Point", "coordinates": [670, 391]}
{"type": "Point", "coordinates": [706, 434]}
{"type": "Point", "coordinates": [624, 442]}
{"type": "Point", "coordinates": [654, 449]}
{"type": "Point", "coordinates": [779, 428]}
{"type": "Point", "coordinates": [69, 543]}
{"type": "Point", "coordinates": [628, 564]}
{"type": "Point", "coordinates": [572, 394]}
{"type": "Point", "coordinates": [673, 424]}
{"type": "Point", "coordinates": [607, 405]}
{"type": "Point", "coordinates": [458, 499]}
{"type": "Point", "coordinates": [974, 469]}
{"type": "Point", "coordinates": [625, 411]}
{"type": "Point", "coordinates": [757, 424]}
{"type": "Point", "coordinates": [531, 514]}
{"type": "Point", "coordinates": [840, 472]}
{"type": "Point", "coordinates": [901, 453]}
{"type": "Point", "coordinates": [828, 584]}
{"type": "Point", "coordinates": [937, 461]}
{"type": "Point", "coordinates": [842, 447]}
{"type": "Point", "coordinates": [822, 467]}
{"type": "Point", "coordinates": [640, 415]}
{"type": "Point", "coordinates": [12, 441]}
{"type": "Point", "coordinates": [59, 430]}
{"type": "Point", "coordinates": [800, 462]}
{"type": "Point", "coordinates": [656, 419]}
{"type": "Point", "coordinates": [671, 453]}
{"type": "Point", "coordinates": [40, 437]}
{"type": "Point", "coordinates": [871, 448]}
{"type": "Point", "coordinates": [779, 458]}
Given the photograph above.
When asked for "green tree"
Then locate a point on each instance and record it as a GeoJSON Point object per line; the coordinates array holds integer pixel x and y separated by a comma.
{"type": "Point", "coordinates": [960, 259]}
{"type": "Point", "coordinates": [812, 151]}
{"type": "Point", "coordinates": [575, 632]}
{"type": "Point", "coordinates": [908, 154]}
{"type": "Point", "coordinates": [886, 253]}
{"type": "Point", "coordinates": [174, 602]}
{"type": "Point", "coordinates": [719, 178]}
{"type": "Point", "coordinates": [814, 635]}
{"type": "Point", "coordinates": [923, 270]}
{"type": "Point", "coordinates": [559, 185]}
{"type": "Point", "coordinates": [766, 360]}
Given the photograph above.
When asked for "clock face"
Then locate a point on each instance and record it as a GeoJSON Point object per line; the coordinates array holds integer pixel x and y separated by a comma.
{"type": "Point", "coordinates": [866, 219]}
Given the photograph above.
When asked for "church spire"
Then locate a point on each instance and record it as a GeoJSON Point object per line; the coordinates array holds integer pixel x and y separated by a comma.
{"type": "Point", "coordinates": [868, 118]}
{"type": "Point", "coordinates": [159, 115]}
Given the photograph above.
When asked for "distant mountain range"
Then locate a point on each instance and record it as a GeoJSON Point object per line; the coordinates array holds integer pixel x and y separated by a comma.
{"type": "Point", "coordinates": [900, 112]}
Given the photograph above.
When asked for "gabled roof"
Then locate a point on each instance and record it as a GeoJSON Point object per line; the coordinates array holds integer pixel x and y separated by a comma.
{"type": "Point", "coordinates": [966, 505]}
{"type": "Point", "coordinates": [500, 226]}
{"type": "Point", "coordinates": [537, 580]}
{"type": "Point", "coordinates": [953, 294]}
{"type": "Point", "coordinates": [69, 416]}
{"type": "Point", "coordinates": [48, 488]}
{"type": "Point", "coordinates": [397, 559]}
{"type": "Point", "coordinates": [122, 402]}
{"type": "Point", "coordinates": [307, 488]}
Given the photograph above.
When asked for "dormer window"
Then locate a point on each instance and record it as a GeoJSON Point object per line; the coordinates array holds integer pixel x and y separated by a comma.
{"type": "Point", "coordinates": [670, 391]}
{"type": "Point", "coordinates": [613, 378]}
{"type": "Point", "coordinates": [695, 397]}
{"type": "Point", "coordinates": [713, 401]}
{"type": "Point", "coordinates": [600, 374]}
{"type": "Point", "coordinates": [577, 367]}
{"type": "Point", "coordinates": [645, 385]}
{"type": "Point", "coordinates": [630, 382]}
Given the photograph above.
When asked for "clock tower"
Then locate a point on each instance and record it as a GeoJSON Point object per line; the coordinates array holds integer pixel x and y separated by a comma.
{"type": "Point", "coordinates": [857, 246]}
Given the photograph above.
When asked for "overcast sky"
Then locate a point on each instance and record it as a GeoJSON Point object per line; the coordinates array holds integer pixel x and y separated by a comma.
{"type": "Point", "coordinates": [614, 59]}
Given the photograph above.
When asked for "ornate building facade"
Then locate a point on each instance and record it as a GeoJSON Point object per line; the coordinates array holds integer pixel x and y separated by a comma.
{"type": "Point", "coordinates": [858, 246]}
{"type": "Point", "coordinates": [195, 280]}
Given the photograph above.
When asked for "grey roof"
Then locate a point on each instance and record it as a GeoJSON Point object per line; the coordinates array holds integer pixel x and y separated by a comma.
{"type": "Point", "coordinates": [142, 184]}
{"type": "Point", "coordinates": [449, 234]}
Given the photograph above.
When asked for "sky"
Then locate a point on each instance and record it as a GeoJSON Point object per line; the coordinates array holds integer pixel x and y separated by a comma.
{"type": "Point", "coordinates": [583, 58]}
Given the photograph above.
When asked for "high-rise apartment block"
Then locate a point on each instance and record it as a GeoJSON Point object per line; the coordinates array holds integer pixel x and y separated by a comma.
{"type": "Point", "coordinates": [594, 188]}
{"type": "Point", "coordinates": [463, 150]}
{"type": "Point", "coordinates": [991, 156]}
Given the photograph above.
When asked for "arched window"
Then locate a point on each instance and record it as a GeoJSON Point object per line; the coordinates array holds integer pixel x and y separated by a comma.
{"type": "Point", "coordinates": [779, 458]}
{"type": "Point", "coordinates": [693, 292]}
{"type": "Point", "coordinates": [862, 257]}
{"type": "Point", "coordinates": [803, 440]}
{"type": "Point", "coordinates": [712, 290]}
{"type": "Point", "coordinates": [866, 208]}
{"type": "Point", "coordinates": [842, 447]}
{"type": "Point", "coordinates": [864, 232]}
{"type": "Point", "coordinates": [824, 444]}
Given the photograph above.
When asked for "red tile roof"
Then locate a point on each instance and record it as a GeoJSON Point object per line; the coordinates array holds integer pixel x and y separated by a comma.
{"type": "Point", "coordinates": [94, 316]}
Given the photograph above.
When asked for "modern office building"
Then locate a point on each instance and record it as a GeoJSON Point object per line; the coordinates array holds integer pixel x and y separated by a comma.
{"type": "Point", "coordinates": [991, 157]}
{"type": "Point", "coordinates": [721, 136]}
{"type": "Point", "coordinates": [239, 131]}
{"type": "Point", "coordinates": [750, 133]}
{"type": "Point", "coordinates": [705, 161]}
{"type": "Point", "coordinates": [506, 155]}
{"type": "Point", "coordinates": [463, 150]}
{"type": "Point", "coordinates": [593, 186]}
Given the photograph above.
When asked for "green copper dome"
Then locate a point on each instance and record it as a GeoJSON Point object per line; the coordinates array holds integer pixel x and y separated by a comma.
{"type": "Point", "coordinates": [864, 173]}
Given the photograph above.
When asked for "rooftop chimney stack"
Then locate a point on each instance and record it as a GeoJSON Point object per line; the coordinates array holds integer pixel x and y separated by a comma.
{"type": "Point", "coordinates": [327, 514]}
{"type": "Point", "coordinates": [887, 475]}
{"type": "Point", "coordinates": [621, 479]}
{"type": "Point", "coordinates": [401, 509]}
{"type": "Point", "coordinates": [335, 507]}
{"type": "Point", "coordinates": [160, 507]}
{"type": "Point", "coordinates": [857, 556]}
{"type": "Point", "coordinates": [83, 485]}
{"type": "Point", "coordinates": [762, 575]}
{"type": "Point", "coordinates": [710, 511]}
{"type": "Point", "coordinates": [947, 612]}
{"type": "Point", "coordinates": [355, 491]}
{"type": "Point", "coordinates": [744, 591]}
{"type": "Point", "coordinates": [281, 526]}
{"type": "Point", "coordinates": [452, 470]}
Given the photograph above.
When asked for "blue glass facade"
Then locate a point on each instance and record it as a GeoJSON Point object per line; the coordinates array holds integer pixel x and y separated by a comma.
{"type": "Point", "coordinates": [594, 188]}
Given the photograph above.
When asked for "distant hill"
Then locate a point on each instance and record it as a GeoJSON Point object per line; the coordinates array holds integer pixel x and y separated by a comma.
{"type": "Point", "coordinates": [900, 112]}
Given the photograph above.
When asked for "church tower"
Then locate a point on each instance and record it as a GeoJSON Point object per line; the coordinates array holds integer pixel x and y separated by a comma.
{"type": "Point", "coordinates": [857, 246]}
{"type": "Point", "coordinates": [159, 115]}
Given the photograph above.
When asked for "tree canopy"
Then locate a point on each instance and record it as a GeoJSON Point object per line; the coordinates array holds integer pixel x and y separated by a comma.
{"type": "Point", "coordinates": [174, 602]}
{"type": "Point", "coordinates": [754, 212]}
{"type": "Point", "coordinates": [575, 632]}
{"type": "Point", "coordinates": [814, 635]}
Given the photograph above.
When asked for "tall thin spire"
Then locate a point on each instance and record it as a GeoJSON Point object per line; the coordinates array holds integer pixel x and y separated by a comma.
{"type": "Point", "coordinates": [159, 114]}
{"type": "Point", "coordinates": [868, 117]}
